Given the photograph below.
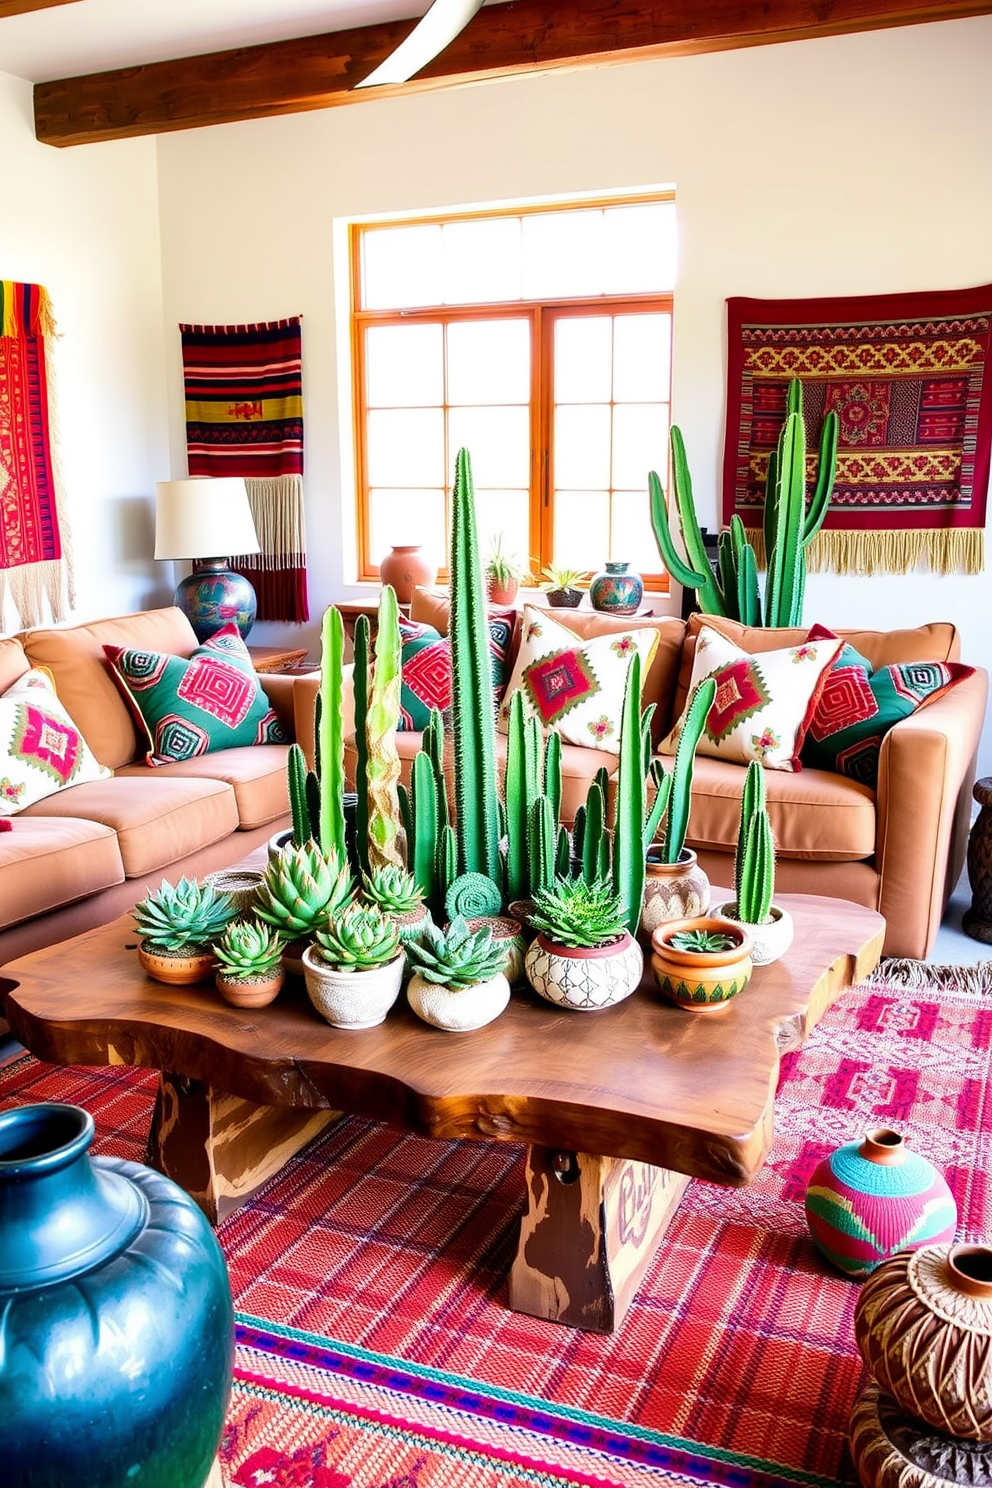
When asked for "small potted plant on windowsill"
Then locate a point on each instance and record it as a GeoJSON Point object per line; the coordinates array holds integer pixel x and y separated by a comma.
{"type": "Point", "coordinates": [178, 926]}
{"type": "Point", "coordinates": [249, 970]}
{"type": "Point", "coordinates": [504, 572]}
{"type": "Point", "coordinates": [458, 981]}
{"type": "Point", "coordinates": [560, 587]}
{"type": "Point", "coordinates": [769, 925]}
{"type": "Point", "coordinates": [700, 964]}
{"type": "Point", "coordinates": [583, 957]}
{"type": "Point", "coordinates": [354, 968]}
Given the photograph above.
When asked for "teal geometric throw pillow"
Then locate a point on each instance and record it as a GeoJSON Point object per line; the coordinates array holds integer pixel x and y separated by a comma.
{"type": "Point", "coordinates": [190, 707]}
{"type": "Point", "coordinates": [426, 661]}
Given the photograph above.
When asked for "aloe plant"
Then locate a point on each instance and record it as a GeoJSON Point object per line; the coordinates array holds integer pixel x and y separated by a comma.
{"type": "Point", "coordinates": [457, 957]}
{"type": "Point", "coordinates": [754, 862]}
{"type": "Point", "coordinates": [302, 887]}
{"type": "Point", "coordinates": [392, 889]}
{"type": "Point", "coordinates": [577, 914]}
{"type": "Point", "coordinates": [174, 917]}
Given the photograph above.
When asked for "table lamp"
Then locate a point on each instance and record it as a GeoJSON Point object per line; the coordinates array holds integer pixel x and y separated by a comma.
{"type": "Point", "coordinates": [206, 514]}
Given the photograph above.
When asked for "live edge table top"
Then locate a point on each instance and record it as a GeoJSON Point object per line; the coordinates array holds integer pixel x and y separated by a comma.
{"type": "Point", "coordinates": [644, 1080]}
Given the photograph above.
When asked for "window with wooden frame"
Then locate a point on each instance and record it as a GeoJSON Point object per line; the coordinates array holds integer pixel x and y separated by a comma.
{"type": "Point", "coordinates": [540, 340]}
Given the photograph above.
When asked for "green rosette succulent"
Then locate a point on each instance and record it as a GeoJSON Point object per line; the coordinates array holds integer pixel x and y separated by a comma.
{"type": "Point", "coordinates": [392, 889]}
{"type": "Point", "coordinates": [189, 914]}
{"type": "Point", "coordinates": [456, 957]}
{"type": "Point", "coordinates": [302, 888]}
{"type": "Point", "coordinates": [248, 950]}
{"type": "Point", "coordinates": [577, 914]}
{"type": "Point", "coordinates": [706, 941]}
{"type": "Point", "coordinates": [359, 940]}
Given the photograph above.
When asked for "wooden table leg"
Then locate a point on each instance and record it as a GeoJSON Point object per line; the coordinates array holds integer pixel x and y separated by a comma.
{"type": "Point", "coordinates": [590, 1230]}
{"type": "Point", "coordinates": [220, 1148]}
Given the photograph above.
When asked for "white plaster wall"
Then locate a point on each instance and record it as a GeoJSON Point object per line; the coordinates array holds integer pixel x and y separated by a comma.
{"type": "Point", "coordinates": [84, 223]}
{"type": "Point", "coordinates": [856, 164]}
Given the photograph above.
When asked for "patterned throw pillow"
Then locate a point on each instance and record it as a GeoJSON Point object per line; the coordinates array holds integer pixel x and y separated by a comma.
{"type": "Point", "coordinates": [858, 706]}
{"type": "Point", "coordinates": [573, 687]}
{"type": "Point", "coordinates": [427, 668]}
{"type": "Point", "coordinates": [764, 703]}
{"type": "Point", "coordinates": [41, 749]}
{"type": "Point", "coordinates": [211, 701]}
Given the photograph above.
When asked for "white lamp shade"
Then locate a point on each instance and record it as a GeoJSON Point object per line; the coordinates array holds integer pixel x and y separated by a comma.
{"type": "Point", "coordinates": [203, 517]}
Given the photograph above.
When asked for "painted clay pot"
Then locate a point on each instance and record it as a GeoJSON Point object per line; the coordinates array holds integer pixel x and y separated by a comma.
{"type": "Point", "coordinates": [501, 594]}
{"type": "Point", "coordinates": [407, 568]}
{"type": "Point", "coordinates": [250, 992]}
{"type": "Point", "coordinates": [870, 1199]}
{"type": "Point", "coordinates": [508, 933]}
{"type": "Point", "coordinates": [923, 1325]}
{"type": "Point", "coordinates": [892, 1450]}
{"type": "Point", "coordinates": [770, 941]}
{"type": "Point", "coordinates": [584, 979]}
{"type": "Point", "coordinates": [178, 968]}
{"type": "Point", "coordinates": [352, 999]}
{"type": "Point", "coordinates": [118, 1329]}
{"type": "Point", "coordinates": [700, 981]}
{"type": "Point", "coordinates": [458, 1009]}
{"type": "Point", "coordinates": [672, 891]}
{"type": "Point", "coordinates": [615, 591]}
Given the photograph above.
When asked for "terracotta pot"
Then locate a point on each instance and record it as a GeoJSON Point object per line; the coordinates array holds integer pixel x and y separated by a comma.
{"type": "Point", "coordinates": [521, 911]}
{"type": "Point", "coordinates": [868, 1200]}
{"type": "Point", "coordinates": [923, 1325]}
{"type": "Point", "coordinates": [700, 981]}
{"type": "Point", "coordinates": [352, 999]}
{"type": "Point", "coordinates": [407, 568]}
{"type": "Point", "coordinates": [250, 992]}
{"type": "Point", "coordinates": [178, 968]}
{"type": "Point", "coordinates": [891, 1450]}
{"type": "Point", "coordinates": [508, 933]}
{"type": "Point", "coordinates": [770, 941]}
{"type": "Point", "coordinates": [458, 1009]}
{"type": "Point", "coordinates": [501, 594]}
{"type": "Point", "coordinates": [584, 979]}
{"type": "Point", "coordinates": [672, 891]}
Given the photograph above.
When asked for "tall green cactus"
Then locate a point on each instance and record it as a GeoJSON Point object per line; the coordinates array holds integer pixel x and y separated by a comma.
{"type": "Point", "coordinates": [680, 796]}
{"type": "Point", "coordinates": [422, 829]}
{"type": "Point", "coordinates": [754, 861]}
{"type": "Point", "coordinates": [329, 742]}
{"type": "Point", "coordinates": [296, 765]}
{"type": "Point", "coordinates": [543, 837]}
{"type": "Point", "coordinates": [789, 527]}
{"type": "Point", "coordinates": [696, 574]}
{"type": "Point", "coordinates": [383, 766]}
{"type": "Point", "coordinates": [628, 819]}
{"type": "Point", "coordinates": [360, 679]}
{"type": "Point", "coordinates": [595, 840]}
{"type": "Point", "coordinates": [517, 801]}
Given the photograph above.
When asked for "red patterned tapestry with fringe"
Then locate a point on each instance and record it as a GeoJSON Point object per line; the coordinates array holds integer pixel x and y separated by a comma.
{"type": "Point", "coordinates": [244, 416]}
{"type": "Point", "coordinates": [34, 554]}
{"type": "Point", "coordinates": [910, 380]}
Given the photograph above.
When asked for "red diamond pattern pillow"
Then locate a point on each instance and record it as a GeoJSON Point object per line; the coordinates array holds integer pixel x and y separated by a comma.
{"type": "Point", "coordinates": [41, 749]}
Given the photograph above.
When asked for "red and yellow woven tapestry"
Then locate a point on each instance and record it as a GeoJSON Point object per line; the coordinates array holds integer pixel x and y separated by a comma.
{"type": "Point", "coordinates": [910, 380]}
{"type": "Point", "coordinates": [34, 558]}
{"type": "Point", "coordinates": [244, 416]}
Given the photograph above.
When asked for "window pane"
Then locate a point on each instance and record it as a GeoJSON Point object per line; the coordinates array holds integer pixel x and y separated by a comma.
{"type": "Point", "coordinates": [406, 517]}
{"type": "Point", "coordinates": [640, 248]}
{"type": "Point", "coordinates": [406, 447]}
{"type": "Point", "coordinates": [583, 357]}
{"type": "Point", "coordinates": [401, 267]}
{"type": "Point", "coordinates": [632, 539]}
{"type": "Point", "coordinates": [640, 443]}
{"type": "Point", "coordinates": [489, 361]}
{"type": "Point", "coordinates": [505, 513]}
{"type": "Point", "coordinates": [404, 366]}
{"type": "Point", "coordinates": [582, 446]}
{"type": "Point", "coordinates": [498, 440]}
{"type": "Point", "coordinates": [482, 260]}
{"type": "Point", "coordinates": [582, 529]}
{"type": "Point", "coordinates": [563, 254]}
{"type": "Point", "coordinates": [642, 350]}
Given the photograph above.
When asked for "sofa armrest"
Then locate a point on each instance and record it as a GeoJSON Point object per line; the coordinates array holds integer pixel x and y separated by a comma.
{"type": "Point", "coordinates": [305, 701]}
{"type": "Point", "coordinates": [280, 691]}
{"type": "Point", "coordinates": [925, 774]}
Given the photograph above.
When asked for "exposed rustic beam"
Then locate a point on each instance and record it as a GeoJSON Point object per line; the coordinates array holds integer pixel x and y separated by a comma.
{"type": "Point", "coordinates": [315, 72]}
{"type": "Point", "coordinates": [21, 7]}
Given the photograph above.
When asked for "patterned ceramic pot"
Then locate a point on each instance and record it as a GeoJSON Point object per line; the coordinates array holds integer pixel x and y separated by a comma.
{"type": "Point", "coordinates": [770, 941]}
{"type": "Point", "coordinates": [892, 1450]}
{"type": "Point", "coordinates": [508, 933]}
{"type": "Point", "coordinates": [923, 1324]}
{"type": "Point", "coordinates": [458, 1009]}
{"type": "Point", "coordinates": [564, 599]}
{"type": "Point", "coordinates": [700, 981]}
{"type": "Point", "coordinates": [870, 1199]}
{"type": "Point", "coordinates": [584, 979]}
{"type": "Point", "coordinates": [177, 968]}
{"type": "Point", "coordinates": [250, 992]}
{"type": "Point", "coordinates": [352, 999]}
{"type": "Point", "coordinates": [407, 568]}
{"type": "Point", "coordinates": [672, 891]}
{"type": "Point", "coordinates": [615, 591]}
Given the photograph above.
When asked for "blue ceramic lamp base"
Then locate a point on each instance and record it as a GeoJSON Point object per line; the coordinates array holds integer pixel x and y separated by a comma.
{"type": "Point", "coordinates": [213, 595]}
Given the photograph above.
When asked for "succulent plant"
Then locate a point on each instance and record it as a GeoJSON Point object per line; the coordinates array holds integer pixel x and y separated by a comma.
{"type": "Point", "coordinates": [301, 889]}
{"type": "Point", "coordinates": [189, 914]}
{"type": "Point", "coordinates": [392, 889]}
{"type": "Point", "coordinates": [457, 957]}
{"type": "Point", "coordinates": [579, 914]}
{"type": "Point", "coordinates": [248, 949]}
{"type": "Point", "coordinates": [359, 940]}
{"type": "Point", "coordinates": [703, 940]}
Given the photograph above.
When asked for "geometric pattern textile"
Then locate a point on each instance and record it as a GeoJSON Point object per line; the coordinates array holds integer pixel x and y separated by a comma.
{"type": "Point", "coordinates": [374, 1344]}
{"type": "Point", "coordinates": [764, 704]}
{"type": "Point", "coordinates": [910, 379]}
{"type": "Point", "coordinates": [41, 749]}
{"type": "Point", "coordinates": [572, 687]}
{"type": "Point", "coordinates": [190, 707]}
{"type": "Point", "coordinates": [244, 416]}
{"type": "Point", "coordinates": [34, 554]}
{"type": "Point", "coordinates": [426, 661]}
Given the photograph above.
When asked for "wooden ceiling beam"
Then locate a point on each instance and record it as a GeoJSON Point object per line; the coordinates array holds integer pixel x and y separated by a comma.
{"type": "Point", "coordinates": [317, 72]}
{"type": "Point", "coordinates": [21, 7]}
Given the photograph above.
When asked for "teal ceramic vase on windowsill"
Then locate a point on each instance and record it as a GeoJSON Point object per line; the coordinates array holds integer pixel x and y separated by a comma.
{"type": "Point", "coordinates": [615, 591]}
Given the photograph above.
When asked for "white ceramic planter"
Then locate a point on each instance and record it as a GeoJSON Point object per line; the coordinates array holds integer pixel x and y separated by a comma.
{"type": "Point", "coordinates": [769, 941]}
{"type": "Point", "coordinates": [458, 1009]}
{"type": "Point", "coordinates": [352, 999]}
{"type": "Point", "coordinates": [584, 979]}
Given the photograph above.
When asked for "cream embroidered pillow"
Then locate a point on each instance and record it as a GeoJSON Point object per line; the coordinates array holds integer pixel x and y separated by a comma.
{"type": "Point", "coordinates": [574, 687]}
{"type": "Point", "coordinates": [41, 749]}
{"type": "Point", "coordinates": [764, 704]}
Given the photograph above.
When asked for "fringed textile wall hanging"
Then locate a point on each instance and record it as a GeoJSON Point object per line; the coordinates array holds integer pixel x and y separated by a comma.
{"type": "Point", "coordinates": [910, 379]}
{"type": "Point", "coordinates": [35, 556]}
{"type": "Point", "coordinates": [244, 416]}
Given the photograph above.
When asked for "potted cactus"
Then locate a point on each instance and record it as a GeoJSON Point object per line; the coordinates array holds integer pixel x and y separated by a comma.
{"type": "Point", "coordinates": [177, 925]}
{"type": "Point", "coordinates": [249, 970]}
{"type": "Point", "coordinates": [560, 587]}
{"type": "Point", "coordinates": [702, 963]}
{"type": "Point", "coordinates": [583, 957]}
{"type": "Point", "coordinates": [354, 968]}
{"type": "Point", "coordinates": [458, 981]}
{"type": "Point", "coordinates": [676, 887]}
{"type": "Point", "coordinates": [395, 892]}
{"type": "Point", "coordinates": [770, 925]}
{"type": "Point", "coordinates": [301, 889]}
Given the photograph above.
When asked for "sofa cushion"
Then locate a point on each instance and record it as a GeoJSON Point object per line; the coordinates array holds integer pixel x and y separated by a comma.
{"type": "Point", "coordinates": [13, 662]}
{"type": "Point", "coordinates": [157, 820]}
{"type": "Point", "coordinates": [46, 862]}
{"type": "Point", "coordinates": [426, 657]}
{"type": "Point", "coordinates": [41, 749]}
{"type": "Point", "coordinates": [257, 774]}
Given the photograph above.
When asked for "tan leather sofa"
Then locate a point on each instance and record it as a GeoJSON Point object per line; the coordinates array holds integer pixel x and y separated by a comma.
{"type": "Point", "coordinates": [86, 854]}
{"type": "Point", "coordinates": [898, 849]}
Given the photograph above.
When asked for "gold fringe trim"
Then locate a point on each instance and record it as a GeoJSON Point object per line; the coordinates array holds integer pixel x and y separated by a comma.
{"type": "Point", "coordinates": [277, 507]}
{"type": "Point", "coordinates": [960, 549]}
{"type": "Point", "coordinates": [923, 976]}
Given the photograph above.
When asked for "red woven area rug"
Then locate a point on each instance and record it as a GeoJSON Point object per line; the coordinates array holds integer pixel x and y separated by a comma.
{"type": "Point", "coordinates": [375, 1346]}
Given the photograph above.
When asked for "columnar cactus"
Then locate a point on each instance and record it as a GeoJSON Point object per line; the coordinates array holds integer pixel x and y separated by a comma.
{"type": "Point", "coordinates": [383, 764]}
{"type": "Point", "coordinates": [329, 742]}
{"type": "Point", "coordinates": [680, 798]}
{"type": "Point", "coordinates": [754, 862]}
{"type": "Point", "coordinates": [360, 686]}
{"type": "Point", "coordinates": [628, 822]}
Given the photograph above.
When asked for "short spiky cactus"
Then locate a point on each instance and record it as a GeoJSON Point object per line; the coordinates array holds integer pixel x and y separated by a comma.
{"type": "Point", "coordinates": [457, 957]}
{"type": "Point", "coordinates": [301, 888]}
{"type": "Point", "coordinates": [392, 889]}
{"type": "Point", "coordinates": [189, 914]}
{"type": "Point", "coordinates": [248, 950]}
{"type": "Point", "coordinates": [578, 914]}
{"type": "Point", "coordinates": [754, 863]}
{"type": "Point", "coordinates": [359, 940]}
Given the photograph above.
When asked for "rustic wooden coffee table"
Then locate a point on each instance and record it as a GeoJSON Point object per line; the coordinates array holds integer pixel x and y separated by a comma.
{"type": "Point", "coordinates": [618, 1108]}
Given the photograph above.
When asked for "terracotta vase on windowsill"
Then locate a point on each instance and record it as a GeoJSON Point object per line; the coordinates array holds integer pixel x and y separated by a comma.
{"type": "Point", "coordinates": [407, 568]}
